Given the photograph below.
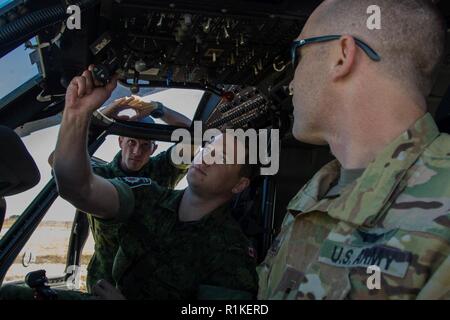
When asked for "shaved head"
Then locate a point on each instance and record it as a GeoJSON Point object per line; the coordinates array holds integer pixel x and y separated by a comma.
{"type": "Point", "coordinates": [355, 104]}
{"type": "Point", "coordinates": [411, 40]}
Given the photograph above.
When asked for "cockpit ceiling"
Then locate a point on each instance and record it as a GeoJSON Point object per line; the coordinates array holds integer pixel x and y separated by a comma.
{"type": "Point", "coordinates": [202, 42]}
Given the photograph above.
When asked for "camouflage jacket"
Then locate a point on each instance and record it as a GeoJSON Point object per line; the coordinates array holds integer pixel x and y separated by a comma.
{"type": "Point", "coordinates": [396, 216]}
{"type": "Point", "coordinates": [160, 169]}
{"type": "Point", "coordinates": [162, 258]}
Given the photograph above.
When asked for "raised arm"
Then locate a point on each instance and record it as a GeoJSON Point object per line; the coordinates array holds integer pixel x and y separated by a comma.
{"type": "Point", "coordinates": [174, 118]}
{"type": "Point", "coordinates": [144, 109]}
{"type": "Point", "coordinates": [114, 108]}
{"type": "Point", "coordinates": [74, 177]}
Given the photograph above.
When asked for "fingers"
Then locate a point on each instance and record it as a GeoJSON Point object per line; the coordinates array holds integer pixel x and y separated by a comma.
{"type": "Point", "coordinates": [117, 103]}
{"type": "Point", "coordinates": [105, 284]}
{"type": "Point", "coordinates": [138, 102]}
{"type": "Point", "coordinates": [89, 81]}
{"type": "Point", "coordinates": [72, 92]}
{"type": "Point", "coordinates": [101, 288]}
{"type": "Point", "coordinates": [98, 291]}
{"type": "Point", "coordinates": [104, 290]}
{"type": "Point", "coordinates": [127, 101]}
{"type": "Point", "coordinates": [136, 117]}
{"type": "Point", "coordinates": [96, 82]}
{"type": "Point", "coordinates": [80, 83]}
{"type": "Point", "coordinates": [120, 100]}
{"type": "Point", "coordinates": [134, 102]}
{"type": "Point", "coordinates": [136, 98]}
{"type": "Point", "coordinates": [112, 84]}
{"type": "Point", "coordinates": [84, 84]}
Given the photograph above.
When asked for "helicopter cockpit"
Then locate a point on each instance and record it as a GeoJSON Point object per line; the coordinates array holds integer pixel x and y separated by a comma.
{"type": "Point", "coordinates": [235, 55]}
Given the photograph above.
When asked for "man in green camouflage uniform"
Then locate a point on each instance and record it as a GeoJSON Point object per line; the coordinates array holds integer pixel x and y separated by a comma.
{"type": "Point", "coordinates": [375, 223]}
{"type": "Point", "coordinates": [173, 259]}
{"type": "Point", "coordinates": [172, 244]}
{"type": "Point", "coordinates": [163, 258]}
{"type": "Point", "coordinates": [161, 170]}
{"type": "Point", "coordinates": [136, 162]}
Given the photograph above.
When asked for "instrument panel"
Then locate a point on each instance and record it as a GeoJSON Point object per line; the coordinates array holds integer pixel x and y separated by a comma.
{"type": "Point", "coordinates": [172, 45]}
{"type": "Point", "coordinates": [248, 108]}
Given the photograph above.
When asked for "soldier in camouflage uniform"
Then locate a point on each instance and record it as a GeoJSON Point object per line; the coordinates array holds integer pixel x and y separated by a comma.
{"type": "Point", "coordinates": [163, 258]}
{"type": "Point", "coordinates": [172, 259]}
{"type": "Point", "coordinates": [137, 162]}
{"type": "Point", "coordinates": [161, 170]}
{"type": "Point", "coordinates": [385, 202]}
{"type": "Point", "coordinates": [172, 244]}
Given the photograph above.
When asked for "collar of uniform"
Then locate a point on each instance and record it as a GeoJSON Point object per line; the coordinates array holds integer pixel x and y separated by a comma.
{"type": "Point", "coordinates": [215, 216]}
{"type": "Point", "coordinates": [115, 163]}
{"type": "Point", "coordinates": [315, 189]}
{"type": "Point", "coordinates": [173, 202]}
{"type": "Point", "coordinates": [383, 175]}
{"type": "Point", "coordinates": [117, 167]}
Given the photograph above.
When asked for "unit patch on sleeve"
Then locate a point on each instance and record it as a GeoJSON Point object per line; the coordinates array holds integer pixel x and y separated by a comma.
{"type": "Point", "coordinates": [134, 182]}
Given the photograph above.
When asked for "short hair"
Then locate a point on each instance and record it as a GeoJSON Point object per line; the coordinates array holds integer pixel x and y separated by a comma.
{"type": "Point", "coordinates": [248, 170]}
{"type": "Point", "coordinates": [411, 41]}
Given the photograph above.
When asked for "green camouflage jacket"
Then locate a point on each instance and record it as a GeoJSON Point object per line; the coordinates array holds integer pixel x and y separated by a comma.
{"type": "Point", "coordinates": [162, 258]}
{"type": "Point", "coordinates": [396, 216]}
{"type": "Point", "coordinates": [160, 169]}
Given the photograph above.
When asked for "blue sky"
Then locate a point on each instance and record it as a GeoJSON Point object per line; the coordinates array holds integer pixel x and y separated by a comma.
{"type": "Point", "coordinates": [15, 69]}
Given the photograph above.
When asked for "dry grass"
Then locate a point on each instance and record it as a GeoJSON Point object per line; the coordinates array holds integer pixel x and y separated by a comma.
{"type": "Point", "coordinates": [57, 224]}
{"type": "Point", "coordinates": [55, 259]}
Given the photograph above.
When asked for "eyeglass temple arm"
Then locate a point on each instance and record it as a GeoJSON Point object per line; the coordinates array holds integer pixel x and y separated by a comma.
{"type": "Point", "coordinates": [368, 50]}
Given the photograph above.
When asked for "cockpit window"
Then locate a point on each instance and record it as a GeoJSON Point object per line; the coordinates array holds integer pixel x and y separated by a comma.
{"type": "Point", "coordinates": [3, 3]}
{"type": "Point", "coordinates": [184, 101]}
{"type": "Point", "coordinates": [47, 248]}
{"type": "Point", "coordinates": [16, 70]}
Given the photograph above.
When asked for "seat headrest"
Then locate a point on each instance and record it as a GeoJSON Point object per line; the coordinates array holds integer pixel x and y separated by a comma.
{"type": "Point", "coordinates": [18, 171]}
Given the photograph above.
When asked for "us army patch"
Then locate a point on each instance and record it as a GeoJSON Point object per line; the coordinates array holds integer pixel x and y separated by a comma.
{"type": "Point", "coordinates": [134, 182]}
{"type": "Point", "coordinates": [390, 260]}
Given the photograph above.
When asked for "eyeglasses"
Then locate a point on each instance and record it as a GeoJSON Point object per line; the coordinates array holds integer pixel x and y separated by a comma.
{"type": "Point", "coordinates": [302, 42]}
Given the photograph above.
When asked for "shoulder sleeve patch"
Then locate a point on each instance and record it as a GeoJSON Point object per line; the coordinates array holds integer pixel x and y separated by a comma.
{"type": "Point", "coordinates": [134, 182]}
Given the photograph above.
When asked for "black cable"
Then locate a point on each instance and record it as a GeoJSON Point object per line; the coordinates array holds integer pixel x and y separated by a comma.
{"type": "Point", "coordinates": [23, 28]}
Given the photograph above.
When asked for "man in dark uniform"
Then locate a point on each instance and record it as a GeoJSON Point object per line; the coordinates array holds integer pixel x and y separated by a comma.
{"type": "Point", "coordinates": [172, 244]}
{"type": "Point", "coordinates": [134, 160]}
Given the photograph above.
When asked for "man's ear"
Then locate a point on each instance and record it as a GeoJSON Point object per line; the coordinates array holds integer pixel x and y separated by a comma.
{"type": "Point", "coordinates": [344, 57]}
{"type": "Point", "coordinates": [243, 183]}
{"type": "Point", "coordinates": [120, 142]}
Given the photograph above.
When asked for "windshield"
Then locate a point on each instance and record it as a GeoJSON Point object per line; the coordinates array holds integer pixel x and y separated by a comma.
{"type": "Point", "coordinates": [3, 3]}
{"type": "Point", "coordinates": [16, 70]}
